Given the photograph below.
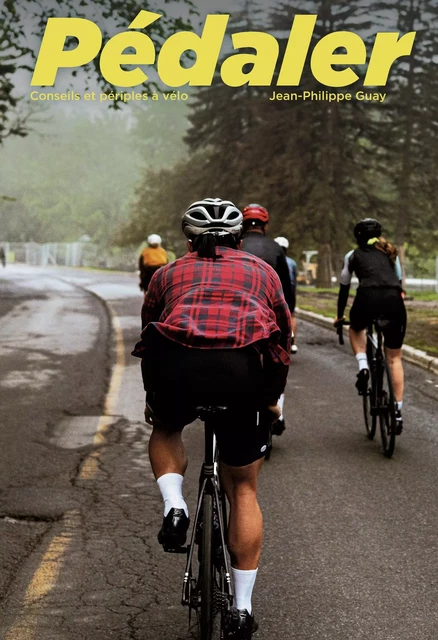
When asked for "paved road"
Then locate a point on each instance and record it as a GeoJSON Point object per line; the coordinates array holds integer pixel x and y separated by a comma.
{"type": "Point", "coordinates": [350, 549]}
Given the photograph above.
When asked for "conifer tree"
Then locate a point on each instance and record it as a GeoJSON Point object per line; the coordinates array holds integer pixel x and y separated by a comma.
{"type": "Point", "coordinates": [221, 118]}
{"type": "Point", "coordinates": [322, 157]}
{"type": "Point", "coordinates": [408, 132]}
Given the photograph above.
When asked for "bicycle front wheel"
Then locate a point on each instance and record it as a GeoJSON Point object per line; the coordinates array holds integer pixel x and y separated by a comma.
{"type": "Point", "coordinates": [387, 411]}
{"type": "Point", "coordinates": [206, 569]}
{"type": "Point", "coordinates": [369, 416]}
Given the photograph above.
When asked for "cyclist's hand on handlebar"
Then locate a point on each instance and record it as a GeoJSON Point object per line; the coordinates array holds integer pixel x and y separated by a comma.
{"type": "Point", "coordinates": [275, 412]}
{"type": "Point", "coordinates": [338, 321]}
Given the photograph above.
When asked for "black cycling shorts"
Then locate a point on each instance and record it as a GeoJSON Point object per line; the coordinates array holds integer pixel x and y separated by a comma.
{"type": "Point", "coordinates": [179, 379]}
{"type": "Point", "coordinates": [371, 303]}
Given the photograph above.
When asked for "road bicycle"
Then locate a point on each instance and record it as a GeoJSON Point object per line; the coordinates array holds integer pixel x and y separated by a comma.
{"type": "Point", "coordinates": [207, 588]}
{"type": "Point", "coordinates": [379, 399]}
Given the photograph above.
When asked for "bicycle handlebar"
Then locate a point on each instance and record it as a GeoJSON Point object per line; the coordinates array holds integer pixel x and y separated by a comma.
{"type": "Point", "coordinates": [340, 330]}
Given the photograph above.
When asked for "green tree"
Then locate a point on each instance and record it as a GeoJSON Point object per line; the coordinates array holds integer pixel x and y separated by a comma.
{"type": "Point", "coordinates": [24, 21]}
{"type": "Point", "coordinates": [407, 135]}
{"type": "Point", "coordinates": [158, 132]}
{"type": "Point", "coordinates": [76, 178]}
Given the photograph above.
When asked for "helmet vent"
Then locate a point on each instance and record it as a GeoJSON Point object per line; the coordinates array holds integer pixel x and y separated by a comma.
{"type": "Point", "coordinates": [197, 215]}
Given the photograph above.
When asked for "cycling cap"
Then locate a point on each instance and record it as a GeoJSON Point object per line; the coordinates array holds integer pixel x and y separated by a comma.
{"type": "Point", "coordinates": [256, 212]}
{"type": "Point", "coordinates": [283, 242]}
{"type": "Point", "coordinates": [154, 238]}
{"type": "Point", "coordinates": [212, 215]}
{"type": "Point", "coordinates": [366, 229]}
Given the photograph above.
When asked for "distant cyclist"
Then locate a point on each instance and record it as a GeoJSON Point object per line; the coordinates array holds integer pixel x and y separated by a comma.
{"type": "Point", "coordinates": [151, 258]}
{"type": "Point", "coordinates": [3, 257]}
{"type": "Point", "coordinates": [292, 265]}
{"type": "Point", "coordinates": [207, 319]}
{"type": "Point", "coordinates": [255, 241]}
{"type": "Point", "coordinates": [380, 293]}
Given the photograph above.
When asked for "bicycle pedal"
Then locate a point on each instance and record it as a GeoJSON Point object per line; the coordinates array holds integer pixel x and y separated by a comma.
{"type": "Point", "coordinates": [175, 549]}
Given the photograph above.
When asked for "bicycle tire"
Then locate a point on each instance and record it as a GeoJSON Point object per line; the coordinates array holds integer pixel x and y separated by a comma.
{"type": "Point", "coordinates": [206, 570]}
{"type": "Point", "coordinates": [370, 417]}
{"type": "Point", "coordinates": [387, 411]}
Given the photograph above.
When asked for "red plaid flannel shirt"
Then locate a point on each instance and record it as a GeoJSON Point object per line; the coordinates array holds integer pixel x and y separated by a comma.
{"type": "Point", "coordinates": [227, 303]}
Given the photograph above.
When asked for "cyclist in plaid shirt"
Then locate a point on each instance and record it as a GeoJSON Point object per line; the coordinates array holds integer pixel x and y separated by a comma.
{"type": "Point", "coordinates": [209, 319]}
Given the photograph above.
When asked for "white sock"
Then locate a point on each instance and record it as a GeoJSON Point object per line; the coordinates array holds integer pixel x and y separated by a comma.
{"type": "Point", "coordinates": [281, 405]}
{"type": "Point", "coordinates": [243, 585]}
{"type": "Point", "coordinates": [362, 361]}
{"type": "Point", "coordinates": [170, 486]}
{"type": "Point", "coordinates": [400, 405]}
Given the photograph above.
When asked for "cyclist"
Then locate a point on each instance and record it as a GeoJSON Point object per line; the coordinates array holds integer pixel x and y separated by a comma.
{"type": "Point", "coordinates": [380, 293]}
{"type": "Point", "coordinates": [255, 241]}
{"type": "Point", "coordinates": [151, 258]}
{"type": "Point", "coordinates": [292, 266]}
{"type": "Point", "coordinates": [207, 318]}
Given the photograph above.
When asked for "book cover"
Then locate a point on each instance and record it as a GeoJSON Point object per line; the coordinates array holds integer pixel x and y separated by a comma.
{"type": "Point", "coordinates": [114, 118]}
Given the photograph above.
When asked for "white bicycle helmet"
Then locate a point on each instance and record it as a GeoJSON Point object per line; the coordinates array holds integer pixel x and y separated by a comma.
{"type": "Point", "coordinates": [154, 238]}
{"type": "Point", "coordinates": [282, 241]}
{"type": "Point", "coordinates": [212, 215]}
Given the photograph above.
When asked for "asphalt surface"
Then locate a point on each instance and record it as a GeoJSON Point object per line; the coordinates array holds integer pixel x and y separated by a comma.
{"type": "Point", "coordinates": [350, 547]}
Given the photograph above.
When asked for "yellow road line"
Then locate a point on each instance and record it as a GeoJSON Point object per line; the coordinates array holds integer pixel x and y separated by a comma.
{"type": "Point", "coordinates": [47, 573]}
{"type": "Point", "coordinates": [91, 463]}
{"type": "Point", "coordinates": [43, 581]}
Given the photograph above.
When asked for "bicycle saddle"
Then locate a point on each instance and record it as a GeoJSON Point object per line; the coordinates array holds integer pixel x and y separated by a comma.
{"type": "Point", "coordinates": [381, 323]}
{"type": "Point", "coordinates": [203, 412]}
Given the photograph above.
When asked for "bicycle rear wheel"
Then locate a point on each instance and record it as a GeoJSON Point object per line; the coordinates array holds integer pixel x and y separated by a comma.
{"type": "Point", "coordinates": [387, 419]}
{"type": "Point", "coordinates": [206, 569]}
{"type": "Point", "coordinates": [369, 400]}
{"type": "Point", "coordinates": [370, 419]}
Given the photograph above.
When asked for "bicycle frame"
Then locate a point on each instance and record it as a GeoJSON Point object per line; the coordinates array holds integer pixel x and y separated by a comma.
{"type": "Point", "coordinates": [209, 482]}
{"type": "Point", "coordinates": [377, 402]}
{"type": "Point", "coordinates": [374, 356]}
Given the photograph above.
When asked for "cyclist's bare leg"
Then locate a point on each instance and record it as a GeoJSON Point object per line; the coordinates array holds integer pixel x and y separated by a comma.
{"type": "Point", "coordinates": [394, 358]}
{"type": "Point", "coordinates": [294, 327]}
{"type": "Point", "coordinates": [166, 452]}
{"type": "Point", "coordinates": [245, 530]}
{"type": "Point", "coordinates": [358, 341]}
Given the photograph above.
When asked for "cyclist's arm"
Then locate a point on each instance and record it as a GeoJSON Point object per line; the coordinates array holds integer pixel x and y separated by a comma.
{"type": "Point", "coordinates": [282, 315]}
{"type": "Point", "coordinates": [284, 275]}
{"type": "Point", "coordinates": [295, 274]}
{"type": "Point", "coordinates": [283, 321]}
{"type": "Point", "coordinates": [153, 301]}
{"type": "Point", "coordinates": [398, 269]}
{"type": "Point", "coordinates": [344, 287]}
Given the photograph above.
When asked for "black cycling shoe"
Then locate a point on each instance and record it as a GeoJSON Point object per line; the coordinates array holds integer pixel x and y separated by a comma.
{"type": "Point", "coordinates": [239, 625]}
{"type": "Point", "coordinates": [398, 422]}
{"type": "Point", "coordinates": [362, 381]}
{"type": "Point", "coordinates": [173, 533]}
{"type": "Point", "coordinates": [278, 427]}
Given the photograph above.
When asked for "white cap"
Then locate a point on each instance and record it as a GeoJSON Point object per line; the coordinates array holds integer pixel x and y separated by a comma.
{"type": "Point", "coordinates": [154, 238]}
{"type": "Point", "coordinates": [283, 242]}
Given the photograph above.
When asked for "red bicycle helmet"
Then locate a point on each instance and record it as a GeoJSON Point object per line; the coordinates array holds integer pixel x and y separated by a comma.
{"type": "Point", "coordinates": [255, 212]}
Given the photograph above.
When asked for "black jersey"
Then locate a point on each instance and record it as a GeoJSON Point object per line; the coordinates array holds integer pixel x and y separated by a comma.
{"type": "Point", "coordinates": [268, 250]}
{"type": "Point", "coordinates": [372, 267]}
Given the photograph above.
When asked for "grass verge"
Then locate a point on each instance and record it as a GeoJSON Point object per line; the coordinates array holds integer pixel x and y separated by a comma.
{"type": "Point", "coordinates": [422, 329]}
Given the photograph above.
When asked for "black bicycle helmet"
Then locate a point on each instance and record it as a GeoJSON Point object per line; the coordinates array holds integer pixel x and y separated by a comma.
{"type": "Point", "coordinates": [367, 229]}
{"type": "Point", "coordinates": [212, 215]}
